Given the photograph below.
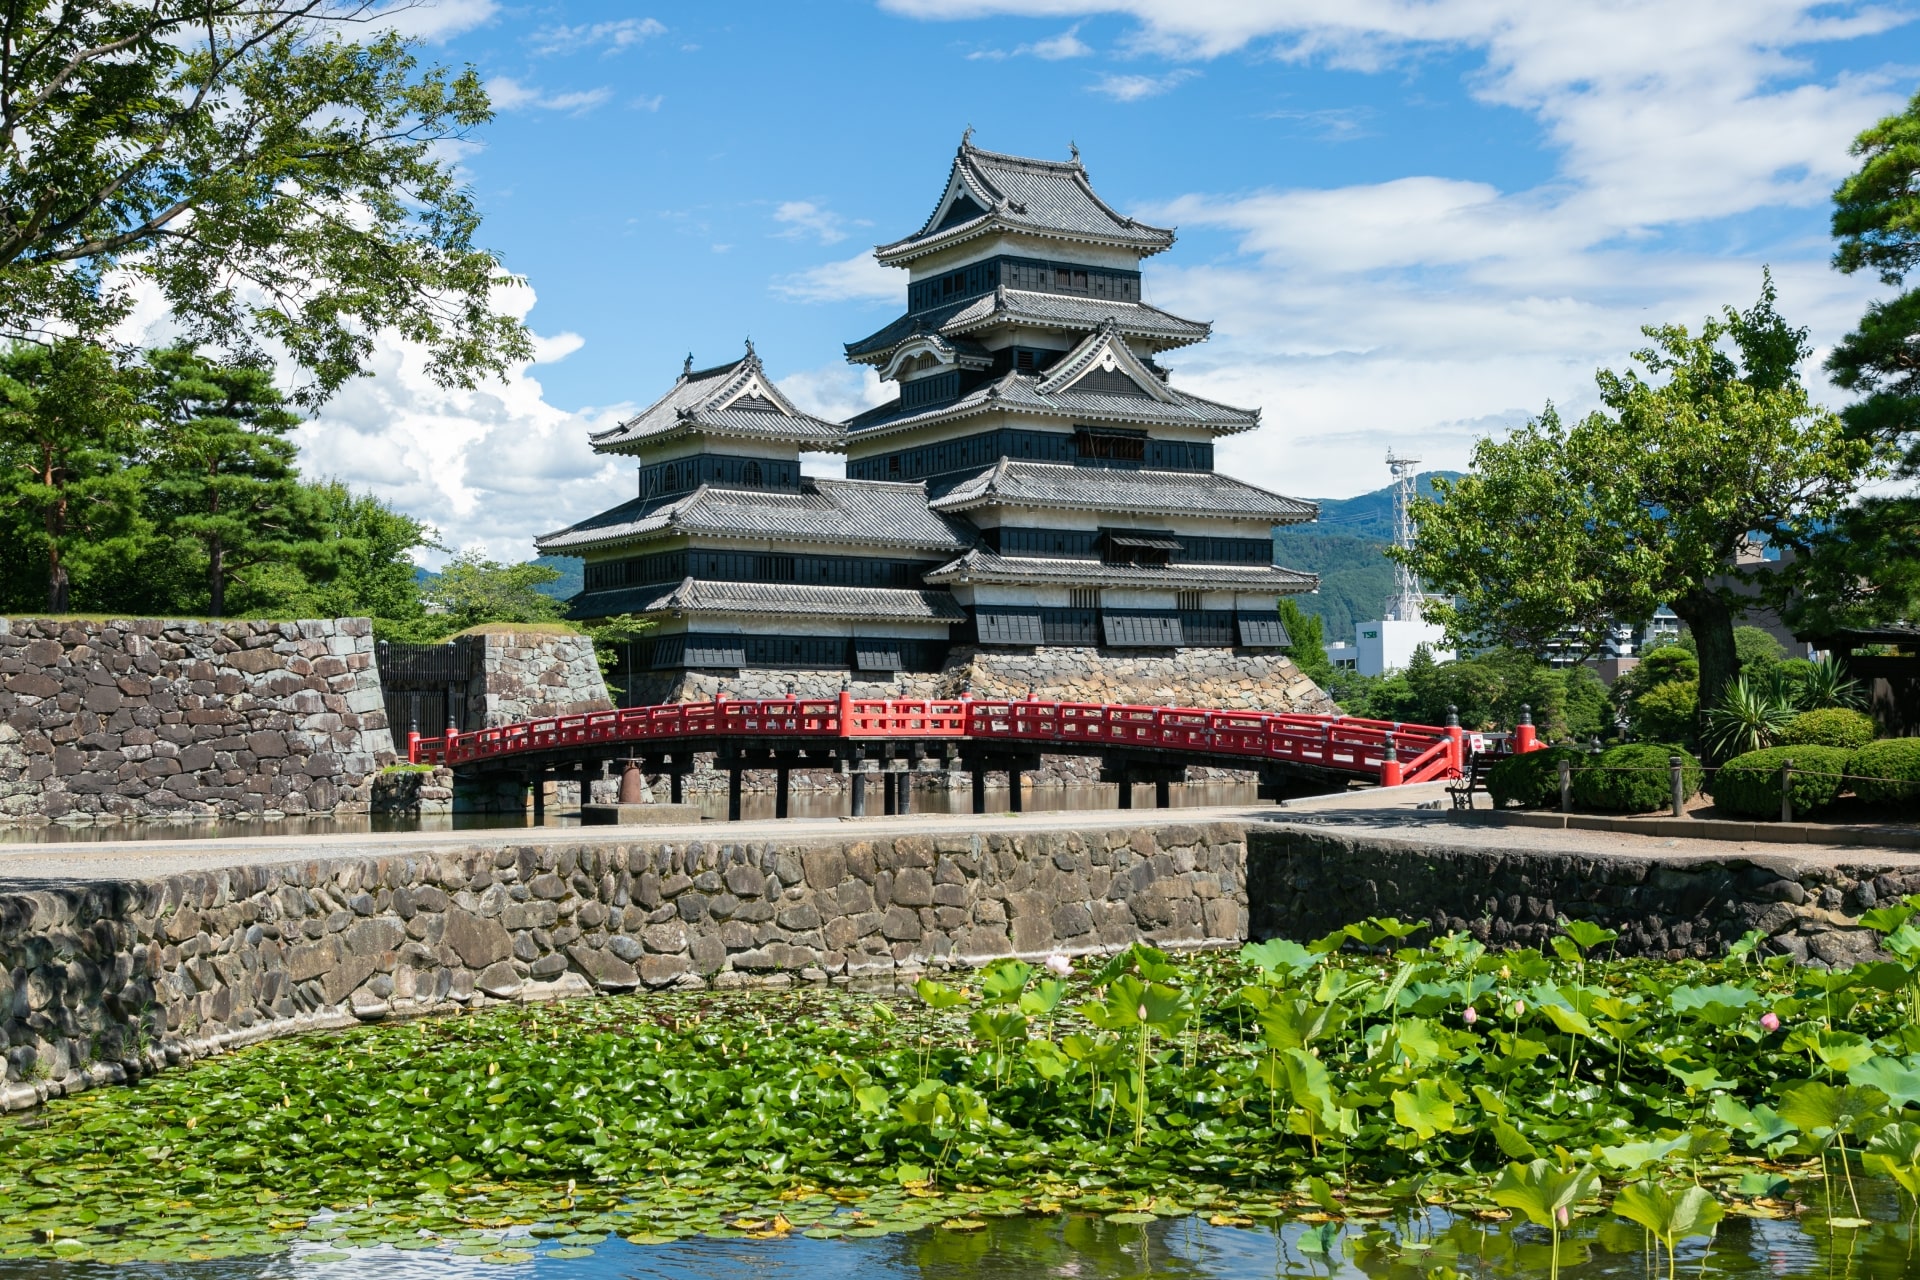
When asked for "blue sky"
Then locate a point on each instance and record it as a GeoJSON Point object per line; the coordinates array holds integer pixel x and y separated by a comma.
{"type": "Point", "coordinates": [1411, 223]}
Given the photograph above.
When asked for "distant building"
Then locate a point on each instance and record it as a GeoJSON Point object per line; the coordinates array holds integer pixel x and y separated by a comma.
{"type": "Point", "coordinates": [1387, 645]}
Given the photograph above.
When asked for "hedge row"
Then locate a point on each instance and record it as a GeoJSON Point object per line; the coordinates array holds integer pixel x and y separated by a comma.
{"type": "Point", "coordinates": [1636, 777]}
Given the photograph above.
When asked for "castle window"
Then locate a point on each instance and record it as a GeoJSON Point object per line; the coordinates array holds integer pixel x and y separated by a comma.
{"type": "Point", "coordinates": [1084, 598]}
{"type": "Point", "coordinates": [1187, 601]}
{"type": "Point", "coordinates": [750, 474]}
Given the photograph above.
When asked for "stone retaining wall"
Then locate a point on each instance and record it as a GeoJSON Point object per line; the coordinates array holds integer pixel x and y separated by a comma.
{"type": "Point", "coordinates": [103, 981]}
{"type": "Point", "coordinates": [1232, 679]}
{"type": "Point", "coordinates": [1304, 883]}
{"type": "Point", "coordinates": [131, 718]}
{"type": "Point", "coordinates": [533, 676]}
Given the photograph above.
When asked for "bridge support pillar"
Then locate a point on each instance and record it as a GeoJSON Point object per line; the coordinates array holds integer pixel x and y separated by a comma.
{"type": "Point", "coordinates": [782, 778]}
{"type": "Point", "coordinates": [633, 785]}
{"type": "Point", "coordinates": [1013, 790]}
{"type": "Point", "coordinates": [858, 788]}
{"type": "Point", "coordinates": [1162, 793]}
{"type": "Point", "coordinates": [1126, 787]}
{"type": "Point", "coordinates": [676, 786]}
{"type": "Point", "coordinates": [979, 790]}
{"type": "Point", "coordinates": [540, 800]}
{"type": "Point", "coordinates": [733, 793]}
{"type": "Point", "coordinates": [906, 792]}
{"type": "Point", "coordinates": [890, 793]}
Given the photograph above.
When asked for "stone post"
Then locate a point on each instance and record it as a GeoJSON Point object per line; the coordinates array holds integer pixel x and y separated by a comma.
{"type": "Point", "coordinates": [1679, 785]}
{"type": "Point", "coordinates": [1566, 785]}
{"type": "Point", "coordinates": [1786, 791]}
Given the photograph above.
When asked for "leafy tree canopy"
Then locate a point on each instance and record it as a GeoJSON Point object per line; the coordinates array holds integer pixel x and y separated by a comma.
{"type": "Point", "coordinates": [1567, 528]}
{"type": "Point", "coordinates": [277, 168]}
{"type": "Point", "coordinates": [472, 590]}
{"type": "Point", "coordinates": [1867, 569]}
{"type": "Point", "coordinates": [1308, 645]}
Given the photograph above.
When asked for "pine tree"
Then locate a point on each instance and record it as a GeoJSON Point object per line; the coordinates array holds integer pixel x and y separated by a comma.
{"type": "Point", "coordinates": [225, 470]}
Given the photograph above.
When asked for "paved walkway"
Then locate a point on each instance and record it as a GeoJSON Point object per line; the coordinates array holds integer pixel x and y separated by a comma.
{"type": "Point", "coordinates": [1388, 815]}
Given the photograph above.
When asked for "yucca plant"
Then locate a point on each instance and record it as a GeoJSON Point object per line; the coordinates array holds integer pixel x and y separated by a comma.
{"type": "Point", "coordinates": [1825, 683]}
{"type": "Point", "coordinates": [1749, 716]}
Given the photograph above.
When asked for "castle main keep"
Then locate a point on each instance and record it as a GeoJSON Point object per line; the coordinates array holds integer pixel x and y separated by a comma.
{"type": "Point", "coordinates": [1038, 495]}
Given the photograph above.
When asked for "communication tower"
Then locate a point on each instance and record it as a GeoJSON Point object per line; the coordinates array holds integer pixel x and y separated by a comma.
{"type": "Point", "coordinates": [1404, 604]}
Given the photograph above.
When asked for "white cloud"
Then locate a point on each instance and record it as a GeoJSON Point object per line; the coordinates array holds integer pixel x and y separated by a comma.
{"type": "Point", "coordinates": [1132, 88]}
{"type": "Point", "coordinates": [1067, 44]}
{"type": "Point", "coordinates": [508, 94]}
{"type": "Point", "coordinates": [648, 102]}
{"type": "Point", "coordinates": [858, 278]}
{"type": "Point", "coordinates": [618, 36]}
{"type": "Point", "coordinates": [436, 21]}
{"type": "Point", "coordinates": [804, 219]}
{"type": "Point", "coordinates": [493, 466]}
{"type": "Point", "coordinates": [1329, 124]}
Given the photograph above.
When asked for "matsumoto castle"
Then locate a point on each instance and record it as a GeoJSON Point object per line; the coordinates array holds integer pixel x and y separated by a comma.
{"type": "Point", "coordinates": [1036, 482]}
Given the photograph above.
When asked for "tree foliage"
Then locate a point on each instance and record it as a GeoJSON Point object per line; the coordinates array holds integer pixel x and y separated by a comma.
{"type": "Point", "coordinates": [277, 169]}
{"type": "Point", "coordinates": [1488, 689]}
{"type": "Point", "coordinates": [473, 589]}
{"type": "Point", "coordinates": [1569, 528]}
{"type": "Point", "coordinates": [1307, 641]}
{"type": "Point", "coordinates": [225, 478]}
{"type": "Point", "coordinates": [1867, 569]}
{"type": "Point", "coordinates": [71, 481]}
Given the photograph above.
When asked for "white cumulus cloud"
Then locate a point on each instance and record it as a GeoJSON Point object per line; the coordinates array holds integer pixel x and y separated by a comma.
{"type": "Point", "coordinates": [617, 37]}
{"type": "Point", "coordinates": [508, 94]}
{"type": "Point", "coordinates": [858, 278]}
{"type": "Point", "coordinates": [1132, 88]}
{"type": "Point", "coordinates": [803, 220]}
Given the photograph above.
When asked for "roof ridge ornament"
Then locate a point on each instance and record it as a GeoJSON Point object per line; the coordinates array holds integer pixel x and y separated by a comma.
{"type": "Point", "coordinates": [750, 355]}
{"type": "Point", "coordinates": [1073, 148]}
{"type": "Point", "coordinates": [686, 367]}
{"type": "Point", "coordinates": [966, 139]}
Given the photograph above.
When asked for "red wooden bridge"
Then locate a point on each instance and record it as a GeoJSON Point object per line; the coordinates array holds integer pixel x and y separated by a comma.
{"type": "Point", "coordinates": [897, 735]}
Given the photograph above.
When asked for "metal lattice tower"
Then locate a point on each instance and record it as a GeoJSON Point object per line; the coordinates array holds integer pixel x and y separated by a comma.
{"type": "Point", "coordinates": [1404, 604]}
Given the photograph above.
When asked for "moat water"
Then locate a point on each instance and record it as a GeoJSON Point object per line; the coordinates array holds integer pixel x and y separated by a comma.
{"type": "Point", "coordinates": [713, 807]}
{"type": "Point", "coordinates": [1408, 1246]}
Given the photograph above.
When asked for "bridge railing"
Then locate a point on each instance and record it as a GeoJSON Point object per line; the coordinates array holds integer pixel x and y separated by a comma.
{"type": "Point", "coordinates": [1388, 750]}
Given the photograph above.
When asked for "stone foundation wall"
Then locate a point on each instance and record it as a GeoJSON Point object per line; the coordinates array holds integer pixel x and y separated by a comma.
{"type": "Point", "coordinates": [1234, 679]}
{"type": "Point", "coordinates": [134, 718]}
{"type": "Point", "coordinates": [100, 982]}
{"type": "Point", "coordinates": [1304, 884]}
{"type": "Point", "coordinates": [533, 676]}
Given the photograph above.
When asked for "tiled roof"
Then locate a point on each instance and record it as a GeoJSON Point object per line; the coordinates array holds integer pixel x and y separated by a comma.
{"type": "Point", "coordinates": [1162, 493]}
{"type": "Point", "coordinates": [1033, 307]}
{"type": "Point", "coordinates": [775, 599]}
{"type": "Point", "coordinates": [735, 399]}
{"type": "Point", "coordinates": [992, 567]}
{"type": "Point", "coordinates": [870, 513]}
{"type": "Point", "coordinates": [1012, 193]}
{"type": "Point", "coordinates": [1016, 392]}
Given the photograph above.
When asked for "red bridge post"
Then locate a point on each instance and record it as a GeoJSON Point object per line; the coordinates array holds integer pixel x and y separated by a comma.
{"type": "Point", "coordinates": [1390, 765]}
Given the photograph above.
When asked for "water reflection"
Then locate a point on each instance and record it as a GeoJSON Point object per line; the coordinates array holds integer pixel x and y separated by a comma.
{"type": "Point", "coordinates": [1081, 1247]}
{"type": "Point", "coordinates": [754, 805]}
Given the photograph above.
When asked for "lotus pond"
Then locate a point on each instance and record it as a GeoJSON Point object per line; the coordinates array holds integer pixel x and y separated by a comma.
{"type": "Point", "coordinates": [1364, 1104]}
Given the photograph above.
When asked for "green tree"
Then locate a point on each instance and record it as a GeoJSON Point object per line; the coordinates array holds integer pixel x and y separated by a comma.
{"type": "Point", "coordinates": [224, 474]}
{"type": "Point", "coordinates": [70, 424]}
{"type": "Point", "coordinates": [368, 560]}
{"type": "Point", "coordinates": [1570, 528]}
{"type": "Point", "coordinates": [276, 178]}
{"type": "Point", "coordinates": [472, 590]}
{"type": "Point", "coordinates": [1307, 644]}
{"type": "Point", "coordinates": [1866, 569]}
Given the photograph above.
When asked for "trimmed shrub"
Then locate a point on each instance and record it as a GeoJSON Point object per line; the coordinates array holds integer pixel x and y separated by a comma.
{"type": "Point", "coordinates": [1750, 784]}
{"type": "Point", "coordinates": [1634, 778]}
{"type": "Point", "coordinates": [1667, 712]}
{"type": "Point", "coordinates": [1829, 727]}
{"type": "Point", "coordinates": [1887, 772]}
{"type": "Point", "coordinates": [1531, 779]}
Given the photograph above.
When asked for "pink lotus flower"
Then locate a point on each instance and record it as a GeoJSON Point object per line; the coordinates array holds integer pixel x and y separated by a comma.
{"type": "Point", "coordinates": [1770, 1021]}
{"type": "Point", "coordinates": [1519, 1007]}
{"type": "Point", "coordinates": [1143, 1013]}
{"type": "Point", "coordinates": [1471, 1016]}
{"type": "Point", "coordinates": [1562, 1214]}
{"type": "Point", "coordinates": [1058, 965]}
